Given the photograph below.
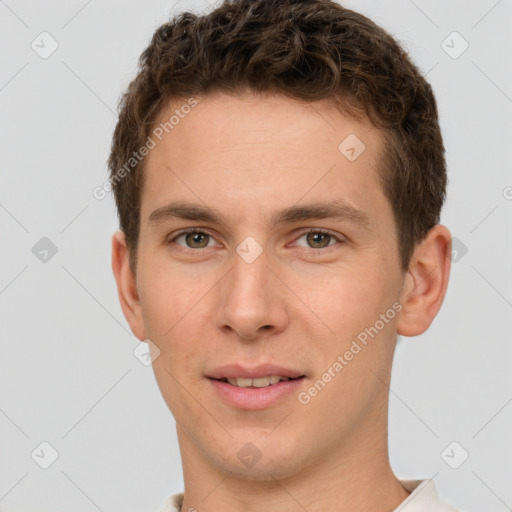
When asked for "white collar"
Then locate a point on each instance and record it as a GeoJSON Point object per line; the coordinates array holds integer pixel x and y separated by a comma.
{"type": "Point", "coordinates": [423, 498]}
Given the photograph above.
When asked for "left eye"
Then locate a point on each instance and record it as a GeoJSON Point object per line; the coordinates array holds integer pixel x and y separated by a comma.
{"type": "Point", "coordinates": [196, 239]}
{"type": "Point", "coordinates": [318, 239]}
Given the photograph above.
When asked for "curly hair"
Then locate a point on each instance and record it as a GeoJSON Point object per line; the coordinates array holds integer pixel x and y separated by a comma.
{"type": "Point", "coordinates": [306, 50]}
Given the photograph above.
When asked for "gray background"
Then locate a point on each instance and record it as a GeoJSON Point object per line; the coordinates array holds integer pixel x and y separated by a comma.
{"type": "Point", "coordinates": [68, 375]}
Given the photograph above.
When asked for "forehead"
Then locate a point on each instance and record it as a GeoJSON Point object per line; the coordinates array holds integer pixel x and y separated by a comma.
{"type": "Point", "coordinates": [256, 150]}
{"type": "Point", "coordinates": [261, 116]}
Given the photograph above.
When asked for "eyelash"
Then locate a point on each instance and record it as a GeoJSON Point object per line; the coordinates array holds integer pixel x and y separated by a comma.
{"type": "Point", "coordinates": [310, 250]}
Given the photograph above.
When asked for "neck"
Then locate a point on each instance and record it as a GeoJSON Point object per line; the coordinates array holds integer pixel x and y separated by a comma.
{"type": "Point", "coordinates": [372, 488]}
{"type": "Point", "coordinates": [354, 476]}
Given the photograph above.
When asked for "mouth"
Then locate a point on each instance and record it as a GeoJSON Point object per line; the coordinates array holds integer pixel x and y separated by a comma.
{"type": "Point", "coordinates": [256, 390]}
{"type": "Point", "coordinates": [258, 382]}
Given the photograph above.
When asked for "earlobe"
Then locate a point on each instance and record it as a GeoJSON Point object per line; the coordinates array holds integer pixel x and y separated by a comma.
{"type": "Point", "coordinates": [126, 285]}
{"type": "Point", "coordinates": [426, 282]}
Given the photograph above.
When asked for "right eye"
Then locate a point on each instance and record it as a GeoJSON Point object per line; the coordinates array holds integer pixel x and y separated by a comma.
{"type": "Point", "coordinates": [194, 239]}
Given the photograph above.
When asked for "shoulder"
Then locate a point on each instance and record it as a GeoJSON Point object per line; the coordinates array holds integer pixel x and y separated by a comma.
{"type": "Point", "coordinates": [172, 503]}
{"type": "Point", "coordinates": [423, 498]}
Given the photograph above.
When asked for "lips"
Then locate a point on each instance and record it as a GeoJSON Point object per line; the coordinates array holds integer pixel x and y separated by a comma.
{"type": "Point", "coordinates": [236, 371]}
{"type": "Point", "coordinates": [260, 382]}
{"type": "Point", "coordinates": [256, 398]}
{"type": "Point", "coordinates": [257, 388]}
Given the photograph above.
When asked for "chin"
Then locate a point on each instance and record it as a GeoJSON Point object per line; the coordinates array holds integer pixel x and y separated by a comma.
{"type": "Point", "coordinates": [262, 472]}
{"type": "Point", "coordinates": [249, 463]}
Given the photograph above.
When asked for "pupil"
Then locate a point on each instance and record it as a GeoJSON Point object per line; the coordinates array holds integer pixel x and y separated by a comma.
{"type": "Point", "coordinates": [316, 238]}
{"type": "Point", "coordinates": [193, 238]}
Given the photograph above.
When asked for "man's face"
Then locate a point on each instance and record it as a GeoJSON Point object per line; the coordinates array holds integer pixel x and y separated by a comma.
{"type": "Point", "coordinates": [250, 291]}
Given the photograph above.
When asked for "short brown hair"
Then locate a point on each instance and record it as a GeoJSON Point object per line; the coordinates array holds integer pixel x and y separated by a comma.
{"type": "Point", "coordinates": [307, 50]}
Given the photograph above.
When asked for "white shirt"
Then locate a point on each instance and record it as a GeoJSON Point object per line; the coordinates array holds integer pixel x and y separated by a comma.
{"type": "Point", "coordinates": [423, 498]}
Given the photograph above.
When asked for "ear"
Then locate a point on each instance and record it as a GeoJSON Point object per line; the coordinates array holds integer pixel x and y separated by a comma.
{"type": "Point", "coordinates": [426, 282]}
{"type": "Point", "coordinates": [126, 285]}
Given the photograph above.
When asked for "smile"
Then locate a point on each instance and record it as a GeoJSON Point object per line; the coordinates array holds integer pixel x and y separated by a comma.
{"type": "Point", "coordinates": [260, 382]}
{"type": "Point", "coordinates": [256, 393]}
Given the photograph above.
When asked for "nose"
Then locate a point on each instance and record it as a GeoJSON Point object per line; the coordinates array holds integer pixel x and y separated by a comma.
{"type": "Point", "coordinates": [252, 301]}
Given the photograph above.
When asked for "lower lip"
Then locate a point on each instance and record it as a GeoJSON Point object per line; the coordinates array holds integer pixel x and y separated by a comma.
{"type": "Point", "coordinates": [255, 398]}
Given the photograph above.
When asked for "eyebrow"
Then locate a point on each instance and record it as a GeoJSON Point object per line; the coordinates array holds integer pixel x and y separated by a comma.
{"type": "Point", "coordinates": [336, 209]}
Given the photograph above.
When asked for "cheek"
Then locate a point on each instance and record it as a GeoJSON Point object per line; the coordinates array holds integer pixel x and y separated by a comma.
{"type": "Point", "coordinates": [345, 299]}
{"type": "Point", "coordinates": [353, 363]}
{"type": "Point", "coordinates": [176, 319]}
{"type": "Point", "coordinates": [166, 299]}
{"type": "Point", "coordinates": [360, 309]}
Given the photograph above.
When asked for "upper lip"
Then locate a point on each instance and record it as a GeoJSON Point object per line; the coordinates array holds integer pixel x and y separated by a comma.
{"type": "Point", "coordinates": [232, 371]}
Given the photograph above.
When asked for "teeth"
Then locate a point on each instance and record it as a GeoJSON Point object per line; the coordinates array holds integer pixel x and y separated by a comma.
{"type": "Point", "coordinates": [260, 382]}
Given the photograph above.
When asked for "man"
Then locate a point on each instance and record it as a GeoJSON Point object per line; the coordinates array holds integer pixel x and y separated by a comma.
{"type": "Point", "coordinates": [279, 174]}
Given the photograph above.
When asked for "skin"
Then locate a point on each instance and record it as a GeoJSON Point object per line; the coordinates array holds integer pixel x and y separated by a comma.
{"type": "Point", "coordinates": [248, 156]}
